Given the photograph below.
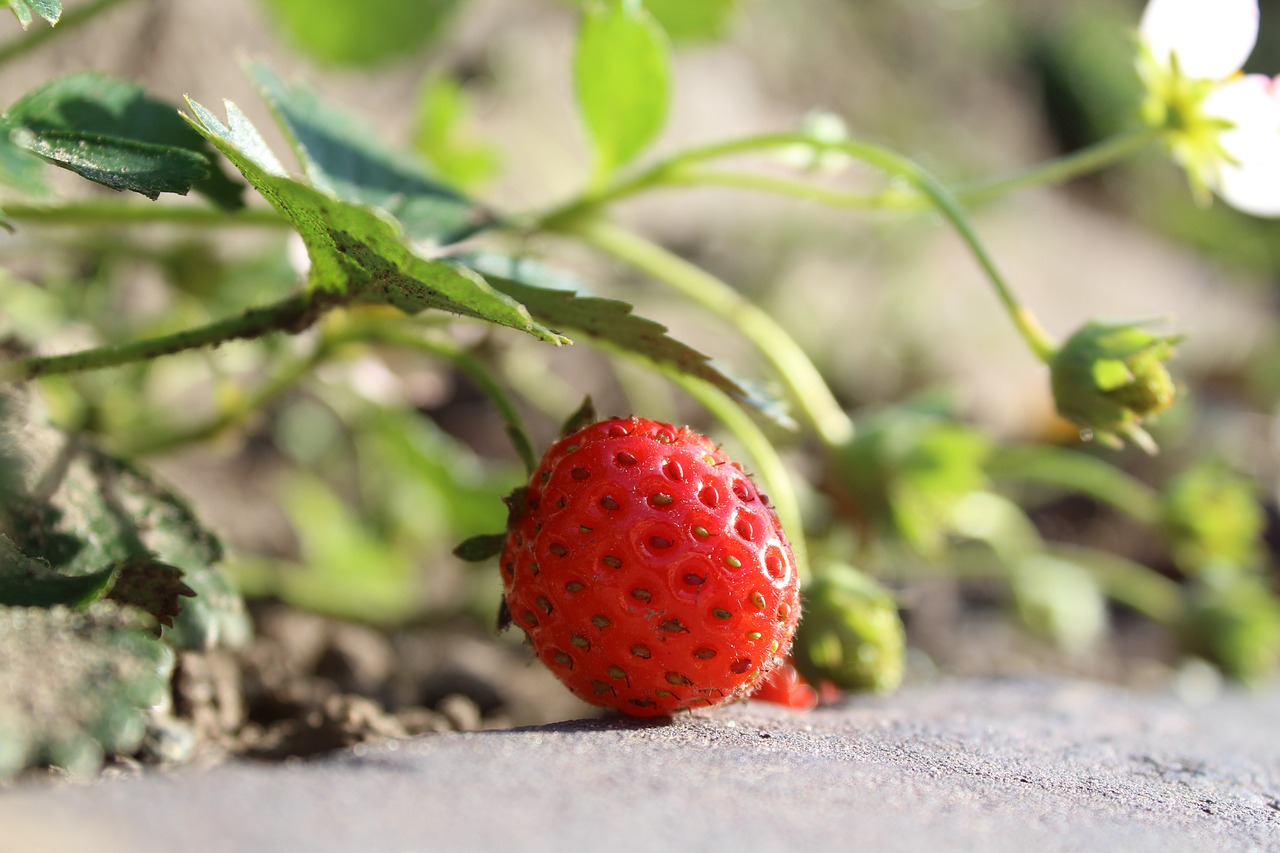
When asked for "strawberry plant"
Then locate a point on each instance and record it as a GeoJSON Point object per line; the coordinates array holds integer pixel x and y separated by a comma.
{"type": "Point", "coordinates": [377, 294]}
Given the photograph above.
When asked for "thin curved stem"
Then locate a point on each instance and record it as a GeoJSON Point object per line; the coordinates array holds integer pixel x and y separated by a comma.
{"type": "Point", "coordinates": [803, 380]}
{"type": "Point", "coordinates": [1059, 170]}
{"type": "Point", "coordinates": [1132, 584]}
{"type": "Point", "coordinates": [680, 170]}
{"type": "Point", "coordinates": [1025, 322]}
{"type": "Point", "coordinates": [1062, 169]}
{"type": "Point", "coordinates": [677, 171]}
{"type": "Point", "coordinates": [330, 344]}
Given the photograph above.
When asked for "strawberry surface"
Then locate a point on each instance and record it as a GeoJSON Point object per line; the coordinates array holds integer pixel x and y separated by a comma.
{"type": "Point", "coordinates": [649, 572]}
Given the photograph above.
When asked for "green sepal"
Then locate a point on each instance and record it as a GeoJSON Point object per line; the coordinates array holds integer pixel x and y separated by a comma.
{"type": "Point", "coordinates": [480, 548]}
{"type": "Point", "coordinates": [583, 416]}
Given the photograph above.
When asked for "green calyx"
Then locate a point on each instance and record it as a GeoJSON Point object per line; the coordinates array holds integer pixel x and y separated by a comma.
{"type": "Point", "coordinates": [851, 634]}
{"type": "Point", "coordinates": [1174, 105]}
{"type": "Point", "coordinates": [1110, 379]}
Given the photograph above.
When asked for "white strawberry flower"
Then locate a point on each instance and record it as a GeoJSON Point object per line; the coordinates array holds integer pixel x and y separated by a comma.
{"type": "Point", "coordinates": [1222, 126]}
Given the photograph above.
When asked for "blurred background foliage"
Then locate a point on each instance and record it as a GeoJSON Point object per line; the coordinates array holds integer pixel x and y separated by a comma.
{"type": "Point", "coordinates": [976, 505]}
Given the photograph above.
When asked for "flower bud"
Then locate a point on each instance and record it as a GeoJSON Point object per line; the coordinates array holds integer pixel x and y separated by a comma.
{"type": "Point", "coordinates": [1110, 379]}
{"type": "Point", "coordinates": [851, 634]}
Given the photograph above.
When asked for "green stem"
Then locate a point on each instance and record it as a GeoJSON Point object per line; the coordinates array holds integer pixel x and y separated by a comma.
{"type": "Point", "coordinates": [1023, 320]}
{"type": "Point", "coordinates": [29, 41]}
{"type": "Point", "coordinates": [475, 371]}
{"type": "Point", "coordinates": [804, 382]}
{"type": "Point", "coordinates": [1062, 169]}
{"type": "Point", "coordinates": [293, 314]}
{"type": "Point", "coordinates": [116, 213]}
{"type": "Point", "coordinates": [1059, 170]}
{"type": "Point", "coordinates": [801, 190]}
{"type": "Point", "coordinates": [678, 171]}
{"type": "Point", "coordinates": [770, 466]}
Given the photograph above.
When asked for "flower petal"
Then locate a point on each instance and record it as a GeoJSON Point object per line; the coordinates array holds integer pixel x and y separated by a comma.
{"type": "Point", "coordinates": [1251, 182]}
{"type": "Point", "coordinates": [1212, 38]}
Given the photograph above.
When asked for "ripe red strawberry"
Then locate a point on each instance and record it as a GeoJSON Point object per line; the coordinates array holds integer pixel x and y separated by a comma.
{"type": "Point", "coordinates": [786, 686]}
{"type": "Point", "coordinates": [648, 571]}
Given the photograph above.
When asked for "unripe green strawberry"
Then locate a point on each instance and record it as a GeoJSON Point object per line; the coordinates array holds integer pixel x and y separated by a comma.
{"type": "Point", "coordinates": [648, 571]}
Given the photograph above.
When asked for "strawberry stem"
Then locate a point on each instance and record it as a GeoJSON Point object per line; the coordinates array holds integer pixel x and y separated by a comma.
{"type": "Point", "coordinates": [292, 314]}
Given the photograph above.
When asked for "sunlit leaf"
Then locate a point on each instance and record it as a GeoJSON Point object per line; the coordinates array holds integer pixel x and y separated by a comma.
{"type": "Point", "coordinates": [556, 300]}
{"type": "Point", "coordinates": [50, 10]}
{"type": "Point", "coordinates": [356, 252]}
{"type": "Point", "coordinates": [692, 20]}
{"type": "Point", "coordinates": [622, 77]}
{"type": "Point", "coordinates": [344, 158]}
{"type": "Point", "coordinates": [440, 135]}
{"type": "Point", "coordinates": [370, 32]}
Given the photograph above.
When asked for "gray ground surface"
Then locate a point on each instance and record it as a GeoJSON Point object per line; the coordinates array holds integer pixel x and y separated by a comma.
{"type": "Point", "coordinates": [974, 765]}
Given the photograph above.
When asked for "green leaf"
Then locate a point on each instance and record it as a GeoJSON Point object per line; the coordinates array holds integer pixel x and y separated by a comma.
{"type": "Point", "coordinates": [367, 33]}
{"type": "Point", "coordinates": [76, 685]}
{"type": "Point", "coordinates": [480, 548]}
{"type": "Point", "coordinates": [82, 515]}
{"type": "Point", "coordinates": [622, 78]}
{"type": "Point", "coordinates": [552, 298]}
{"type": "Point", "coordinates": [111, 132]}
{"type": "Point", "coordinates": [25, 582]}
{"type": "Point", "coordinates": [50, 10]}
{"type": "Point", "coordinates": [441, 135]}
{"type": "Point", "coordinates": [344, 159]}
{"type": "Point", "coordinates": [692, 20]}
{"type": "Point", "coordinates": [122, 164]}
{"type": "Point", "coordinates": [19, 168]}
{"type": "Point", "coordinates": [355, 251]}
